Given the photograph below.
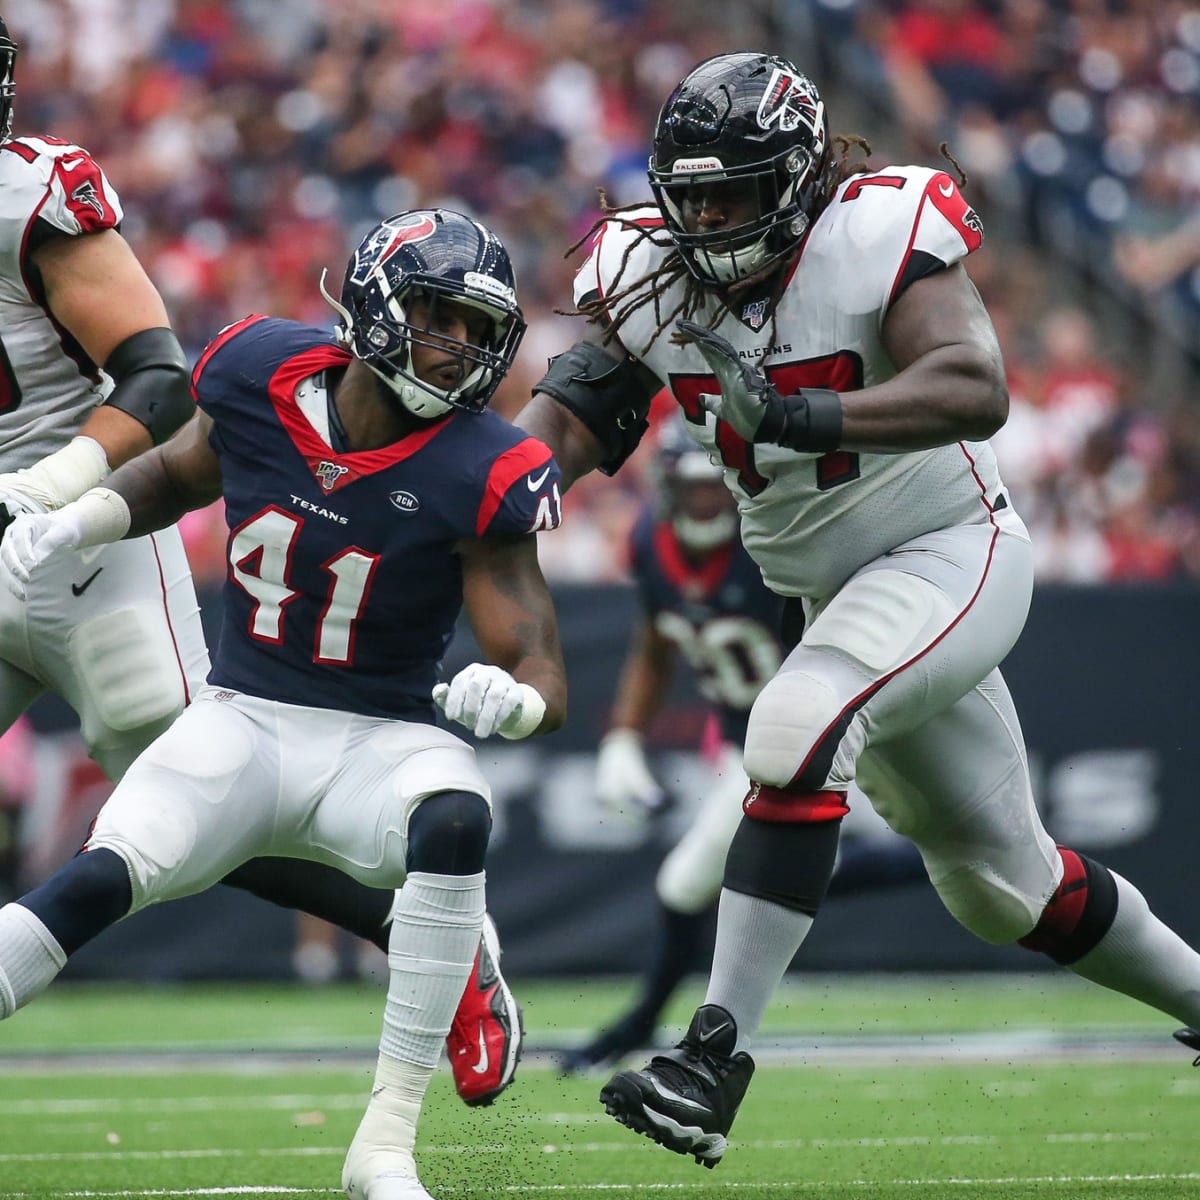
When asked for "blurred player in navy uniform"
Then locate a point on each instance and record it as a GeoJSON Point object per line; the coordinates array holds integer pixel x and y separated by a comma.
{"type": "Point", "coordinates": [703, 599]}
{"type": "Point", "coordinates": [369, 496]}
{"type": "Point", "coordinates": [91, 375]}
{"type": "Point", "coordinates": [814, 321]}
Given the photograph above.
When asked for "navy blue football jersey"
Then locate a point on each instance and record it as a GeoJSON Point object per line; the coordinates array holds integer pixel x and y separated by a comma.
{"type": "Point", "coordinates": [343, 585]}
{"type": "Point", "coordinates": [717, 611]}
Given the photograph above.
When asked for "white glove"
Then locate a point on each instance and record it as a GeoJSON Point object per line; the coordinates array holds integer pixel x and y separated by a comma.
{"type": "Point", "coordinates": [100, 516]}
{"type": "Point", "coordinates": [489, 700]}
{"type": "Point", "coordinates": [623, 779]}
{"type": "Point", "coordinates": [30, 540]}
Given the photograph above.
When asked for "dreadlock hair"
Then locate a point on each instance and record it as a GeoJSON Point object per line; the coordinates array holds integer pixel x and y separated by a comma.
{"type": "Point", "coordinates": [624, 299]}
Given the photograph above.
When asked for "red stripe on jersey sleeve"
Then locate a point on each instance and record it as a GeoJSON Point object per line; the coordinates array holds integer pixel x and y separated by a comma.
{"type": "Point", "coordinates": [230, 331]}
{"type": "Point", "coordinates": [948, 200]}
{"type": "Point", "coordinates": [523, 459]}
{"type": "Point", "coordinates": [942, 192]}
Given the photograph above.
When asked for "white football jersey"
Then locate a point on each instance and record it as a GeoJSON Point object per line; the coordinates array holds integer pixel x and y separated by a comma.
{"type": "Point", "coordinates": [811, 520]}
{"type": "Point", "coordinates": [48, 385]}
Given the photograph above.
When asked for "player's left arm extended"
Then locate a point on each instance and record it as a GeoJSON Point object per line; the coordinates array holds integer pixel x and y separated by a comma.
{"type": "Point", "coordinates": [512, 615]}
{"type": "Point", "coordinates": [150, 492]}
{"type": "Point", "coordinates": [949, 384]}
{"type": "Point", "coordinates": [161, 485]}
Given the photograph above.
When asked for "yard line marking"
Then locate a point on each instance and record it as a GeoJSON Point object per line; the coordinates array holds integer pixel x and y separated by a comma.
{"type": "Point", "coordinates": [611, 1147]}
{"type": "Point", "coordinates": [183, 1104]}
{"type": "Point", "coordinates": [807, 1185]}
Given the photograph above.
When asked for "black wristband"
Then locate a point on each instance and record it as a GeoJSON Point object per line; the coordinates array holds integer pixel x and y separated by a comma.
{"type": "Point", "coordinates": [809, 420]}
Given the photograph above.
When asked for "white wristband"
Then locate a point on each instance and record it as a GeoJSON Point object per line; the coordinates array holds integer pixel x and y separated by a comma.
{"type": "Point", "coordinates": [527, 718]}
{"type": "Point", "coordinates": [66, 474]}
{"type": "Point", "coordinates": [101, 516]}
{"type": "Point", "coordinates": [623, 736]}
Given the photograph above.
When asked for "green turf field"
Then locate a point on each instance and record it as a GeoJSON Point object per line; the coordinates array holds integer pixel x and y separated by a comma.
{"type": "Point", "coordinates": [982, 1086]}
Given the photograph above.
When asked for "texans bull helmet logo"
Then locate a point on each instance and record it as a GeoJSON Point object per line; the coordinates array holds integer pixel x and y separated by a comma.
{"type": "Point", "coordinates": [387, 239]}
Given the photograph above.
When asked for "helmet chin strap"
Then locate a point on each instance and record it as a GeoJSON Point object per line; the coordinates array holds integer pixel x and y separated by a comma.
{"type": "Point", "coordinates": [423, 399]}
{"type": "Point", "coordinates": [730, 266]}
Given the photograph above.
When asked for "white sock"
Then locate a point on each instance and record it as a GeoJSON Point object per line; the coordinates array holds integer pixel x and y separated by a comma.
{"type": "Point", "coordinates": [436, 926]}
{"type": "Point", "coordinates": [30, 958]}
{"type": "Point", "coordinates": [1144, 959]}
{"type": "Point", "coordinates": [756, 941]}
{"type": "Point", "coordinates": [383, 1144]}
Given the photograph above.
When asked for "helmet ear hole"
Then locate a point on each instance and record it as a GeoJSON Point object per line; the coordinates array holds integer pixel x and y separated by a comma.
{"type": "Point", "coordinates": [439, 257]}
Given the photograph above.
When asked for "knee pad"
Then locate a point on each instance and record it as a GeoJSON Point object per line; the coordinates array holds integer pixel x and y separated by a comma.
{"type": "Point", "coordinates": [1080, 912]}
{"type": "Point", "coordinates": [983, 903]}
{"type": "Point", "coordinates": [795, 728]}
{"type": "Point", "coordinates": [448, 834]}
{"type": "Point", "coordinates": [788, 864]}
{"type": "Point", "coordinates": [129, 672]}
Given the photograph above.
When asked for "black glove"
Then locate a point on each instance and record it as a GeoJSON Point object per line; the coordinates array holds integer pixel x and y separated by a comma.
{"type": "Point", "coordinates": [809, 420]}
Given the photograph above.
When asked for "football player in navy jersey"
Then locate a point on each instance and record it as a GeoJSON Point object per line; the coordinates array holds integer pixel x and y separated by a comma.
{"type": "Point", "coordinates": [370, 495]}
{"type": "Point", "coordinates": [91, 375]}
{"type": "Point", "coordinates": [703, 600]}
{"type": "Point", "coordinates": [815, 322]}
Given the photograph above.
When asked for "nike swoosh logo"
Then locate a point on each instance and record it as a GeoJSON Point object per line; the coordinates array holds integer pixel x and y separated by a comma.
{"type": "Point", "coordinates": [712, 1033]}
{"type": "Point", "coordinates": [667, 1094]}
{"type": "Point", "coordinates": [947, 189]}
{"type": "Point", "coordinates": [71, 162]}
{"type": "Point", "coordinates": [480, 1068]}
{"type": "Point", "coordinates": [77, 589]}
{"type": "Point", "coordinates": [536, 482]}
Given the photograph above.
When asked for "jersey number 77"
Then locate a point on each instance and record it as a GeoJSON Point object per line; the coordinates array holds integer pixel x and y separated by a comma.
{"type": "Point", "coordinates": [841, 371]}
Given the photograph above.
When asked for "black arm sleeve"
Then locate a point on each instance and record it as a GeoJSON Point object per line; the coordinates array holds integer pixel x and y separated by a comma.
{"type": "Point", "coordinates": [610, 396]}
{"type": "Point", "coordinates": [152, 381]}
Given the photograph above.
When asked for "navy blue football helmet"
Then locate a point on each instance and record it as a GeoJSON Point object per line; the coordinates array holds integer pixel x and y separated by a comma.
{"type": "Point", "coordinates": [8, 60]}
{"type": "Point", "coordinates": [751, 118]}
{"type": "Point", "coordinates": [691, 490]}
{"type": "Point", "coordinates": [439, 256]}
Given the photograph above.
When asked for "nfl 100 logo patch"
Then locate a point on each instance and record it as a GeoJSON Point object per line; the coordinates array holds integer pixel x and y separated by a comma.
{"type": "Point", "coordinates": [755, 313]}
{"type": "Point", "coordinates": [329, 473]}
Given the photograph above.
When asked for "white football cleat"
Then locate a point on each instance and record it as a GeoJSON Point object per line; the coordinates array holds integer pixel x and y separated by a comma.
{"type": "Point", "coordinates": [376, 1173]}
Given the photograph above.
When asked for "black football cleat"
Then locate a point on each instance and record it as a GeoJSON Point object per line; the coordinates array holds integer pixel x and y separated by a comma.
{"type": "Point", "coordinates": [1191, 1039]}
{"type": "Point", "coordinates": [632, 1032]}
{"type": "Point", "coordinates": [687, 1098]}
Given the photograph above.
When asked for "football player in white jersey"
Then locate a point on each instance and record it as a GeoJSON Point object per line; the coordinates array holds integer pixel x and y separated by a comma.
{"type": "Point", "coordinates": [115, 630]}
{"type": "Point", "coordinates": [815, 323]}
{"type": "Point", "coordinates": [703, 601]}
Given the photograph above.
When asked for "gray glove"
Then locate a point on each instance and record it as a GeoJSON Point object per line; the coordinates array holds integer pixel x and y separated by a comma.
{"type": "Point", "coordinates": [809, 420]}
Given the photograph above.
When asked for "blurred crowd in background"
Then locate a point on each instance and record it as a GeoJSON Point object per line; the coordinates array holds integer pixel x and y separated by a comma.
{"type": "Point", "coordinates": [254, 141]}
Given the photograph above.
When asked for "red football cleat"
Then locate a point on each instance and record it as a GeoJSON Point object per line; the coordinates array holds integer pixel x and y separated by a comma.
{"type": "Point", "coordinates": [484, 1042]}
